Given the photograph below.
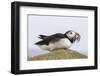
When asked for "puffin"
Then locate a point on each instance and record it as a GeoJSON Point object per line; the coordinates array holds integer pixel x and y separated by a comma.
{"type": "Point", "coordinates": [58, 40]}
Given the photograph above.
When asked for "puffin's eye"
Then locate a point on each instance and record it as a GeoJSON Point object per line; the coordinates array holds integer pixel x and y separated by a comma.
{"type": "Point", "coordinates": [70, 32]}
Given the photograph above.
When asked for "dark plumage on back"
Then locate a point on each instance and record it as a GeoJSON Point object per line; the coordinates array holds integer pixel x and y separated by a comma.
{"type": "Point", "coordinates": [52, 38]}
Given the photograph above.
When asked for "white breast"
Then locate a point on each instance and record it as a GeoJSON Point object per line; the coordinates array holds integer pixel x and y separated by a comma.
{"type": "Point", "coordinates": [62, 43]}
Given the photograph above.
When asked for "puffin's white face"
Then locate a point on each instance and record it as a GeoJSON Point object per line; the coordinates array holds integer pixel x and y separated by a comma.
{"type": "Point", "coordinates": [71, 34]}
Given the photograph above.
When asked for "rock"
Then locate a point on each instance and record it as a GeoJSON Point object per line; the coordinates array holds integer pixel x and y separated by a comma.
{"type": "Point", "coordinates": [58, 54]}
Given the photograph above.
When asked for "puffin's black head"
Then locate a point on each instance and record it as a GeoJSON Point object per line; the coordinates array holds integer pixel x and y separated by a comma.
{"type": "Point", "coordinates": [72, 36]}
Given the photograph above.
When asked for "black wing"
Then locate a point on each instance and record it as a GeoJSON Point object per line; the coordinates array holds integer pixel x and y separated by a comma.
{"type": "Point", "coordinates": [52, 38]}
{"type": "Point", "coordinates": [56, 37]}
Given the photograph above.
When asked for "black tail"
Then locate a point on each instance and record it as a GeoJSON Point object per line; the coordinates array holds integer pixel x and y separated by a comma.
{"type": "Point", "coordinates": [42, 36]}
{"type": "Point", "coordinates": [42, 43]}
{"type": "Point", "coordinates": [39, 43]}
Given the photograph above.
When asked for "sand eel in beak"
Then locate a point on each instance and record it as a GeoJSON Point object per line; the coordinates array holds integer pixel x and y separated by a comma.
{"type": "Point", "coordinates": [58, 40]}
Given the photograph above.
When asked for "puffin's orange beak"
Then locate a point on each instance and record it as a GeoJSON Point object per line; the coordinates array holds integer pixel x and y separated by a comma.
{"type": "Point", "coordinates": [77, 36]}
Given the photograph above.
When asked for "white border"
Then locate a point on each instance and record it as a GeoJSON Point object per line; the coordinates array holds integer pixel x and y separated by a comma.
{"type": "Point", "coordinates": [25, 65]}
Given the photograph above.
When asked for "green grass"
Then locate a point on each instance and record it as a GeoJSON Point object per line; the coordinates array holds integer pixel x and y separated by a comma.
{"type": "Point", "coordinates": [58, 54]}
